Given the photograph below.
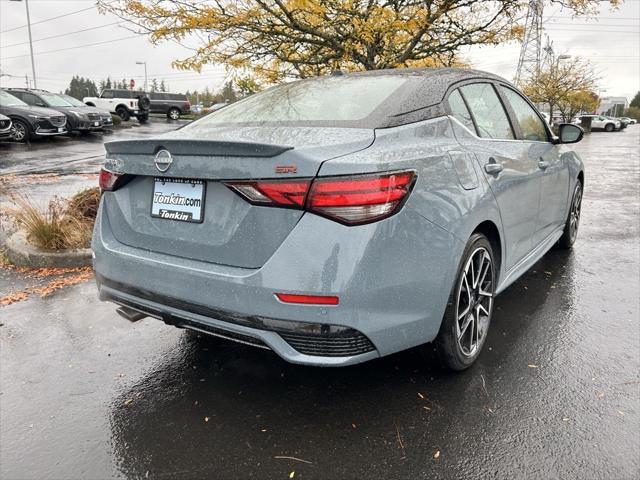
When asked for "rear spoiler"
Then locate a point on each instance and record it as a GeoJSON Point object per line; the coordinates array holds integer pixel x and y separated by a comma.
{"type": "Point", "coordinates": [195, 148]}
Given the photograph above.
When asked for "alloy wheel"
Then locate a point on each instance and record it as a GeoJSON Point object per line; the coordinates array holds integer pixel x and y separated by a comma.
{"type": "Point", "coordinates": [19, 132]}
{"type": "Point", "coordinates": [474, 302]}
{"type": "Point", "coordinates": [174, 114]}
{"type": "Point", "coordinates": [574, 218]}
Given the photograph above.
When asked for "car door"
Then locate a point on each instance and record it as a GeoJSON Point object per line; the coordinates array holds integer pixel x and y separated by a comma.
{"type": "Point", "coordinates": [513, 178]}
{"type": "Point", "coordinates": [554, 188]}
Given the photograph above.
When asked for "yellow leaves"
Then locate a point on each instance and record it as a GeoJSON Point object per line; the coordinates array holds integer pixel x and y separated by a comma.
{"type": "Point", "coordinates": [301, 38]}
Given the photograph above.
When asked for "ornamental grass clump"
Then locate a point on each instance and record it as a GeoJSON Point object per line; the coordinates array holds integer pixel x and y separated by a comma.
{"type": "Point", "coordinates": [62, 224]}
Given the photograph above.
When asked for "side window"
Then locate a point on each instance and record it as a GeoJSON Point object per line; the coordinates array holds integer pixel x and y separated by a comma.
{"type": "Point", "coordinates": [530, 123]}
{"type": "Point", "coordinates": [18, 95]}
{"type": "Point", "coordinates": [460, 111]}
{"type": "Point", "coordinates": [487, 110]}
{"type": "Point", "coordinates": [107, 94]}
{"type": "Point", "coordinates": [30, 98]}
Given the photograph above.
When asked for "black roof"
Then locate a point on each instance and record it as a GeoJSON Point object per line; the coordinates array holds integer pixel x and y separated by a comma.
{"type": "Point", "coordinates": [420, 98]}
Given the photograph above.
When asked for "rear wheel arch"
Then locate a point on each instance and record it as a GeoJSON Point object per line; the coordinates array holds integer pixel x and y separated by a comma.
{"type": "Point", "coordinates": [490, 230]}
{"type": "Point", "coordinates": [581, 178]}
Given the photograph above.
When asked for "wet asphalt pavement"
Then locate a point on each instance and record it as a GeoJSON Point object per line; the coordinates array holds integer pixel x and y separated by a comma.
{"type": "Point", "coordinates": [555, 394]}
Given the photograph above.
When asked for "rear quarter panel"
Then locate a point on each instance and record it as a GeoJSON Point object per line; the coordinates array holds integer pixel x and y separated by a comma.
{"type": "Point", "coordinates": [449, 200]}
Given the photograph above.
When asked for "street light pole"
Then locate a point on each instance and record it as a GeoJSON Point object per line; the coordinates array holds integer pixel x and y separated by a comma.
{"type": "Point", "coordinates": [33, 64]}
{"type": "Point", "coordinates": [145, 74]}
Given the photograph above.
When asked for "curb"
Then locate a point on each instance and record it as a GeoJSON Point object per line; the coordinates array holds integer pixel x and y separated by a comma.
{"type": "Point", "coordinates": [22, 254]}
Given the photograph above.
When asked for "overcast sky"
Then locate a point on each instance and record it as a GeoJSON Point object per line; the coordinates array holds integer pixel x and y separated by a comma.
{"type": "Point", "coordinates": [611, 41]}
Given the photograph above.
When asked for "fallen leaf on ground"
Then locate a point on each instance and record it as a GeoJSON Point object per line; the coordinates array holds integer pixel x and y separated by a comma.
{"type": "Point", "coordinates": [206, 419]}
{"type": "Point", "coordinates": [13, 298]}
{"type": "Point", "coordinates": [437, 454]}
{"type": "Point", "coordinates": [420, 395]}
{"type": "Point", "coordinates": [531, 365]}
{"type": "Point", "coordinates": [292, 474]}
{"type": "Point", "coordinates": [128, 401]}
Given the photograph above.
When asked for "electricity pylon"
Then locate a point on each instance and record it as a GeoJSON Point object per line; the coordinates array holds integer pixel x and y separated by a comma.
{"type": "Point", "coordinates": [531, 50]}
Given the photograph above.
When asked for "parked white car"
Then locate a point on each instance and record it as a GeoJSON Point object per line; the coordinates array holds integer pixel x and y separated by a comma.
{"type": "Point", "coordinates": [600, 122]}
{"type": "Point", "coordinates": [124, 103]}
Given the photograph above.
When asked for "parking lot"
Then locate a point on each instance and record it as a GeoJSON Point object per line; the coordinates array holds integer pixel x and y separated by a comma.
{"type": "Point", "coordinates": [556, 393]}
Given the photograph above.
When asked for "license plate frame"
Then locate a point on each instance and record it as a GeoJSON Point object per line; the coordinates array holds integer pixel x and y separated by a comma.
{"type": "Point", "coordinates": [178, 187]}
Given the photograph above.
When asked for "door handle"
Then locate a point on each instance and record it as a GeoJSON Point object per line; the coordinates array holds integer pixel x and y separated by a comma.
{"type": "Point", "coordinates": [493, 167]}
{"type": "Point", "coordinates": [543, 164]}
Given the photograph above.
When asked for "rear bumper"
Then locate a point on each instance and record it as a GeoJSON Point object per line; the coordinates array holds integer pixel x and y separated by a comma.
{"type": "Point", "coordinates": [393, 288]}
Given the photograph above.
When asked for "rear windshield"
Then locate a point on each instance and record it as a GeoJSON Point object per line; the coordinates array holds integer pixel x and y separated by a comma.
{"type": "Point", "coordinates": [344, 101]}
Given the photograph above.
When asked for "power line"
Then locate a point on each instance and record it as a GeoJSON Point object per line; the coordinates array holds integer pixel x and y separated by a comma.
{"type": "Point", "coordinates": [73, 48]}
{"type": "Point", "coordinates": [62, 35]}
{"type": "Point", "coordinates": [52, 18]}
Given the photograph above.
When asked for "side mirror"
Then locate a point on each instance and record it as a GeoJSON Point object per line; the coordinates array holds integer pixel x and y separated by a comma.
{"type": "Point", "coordinates": [569, 133]}
{"type": "Point", "coordinates": [40, 104]}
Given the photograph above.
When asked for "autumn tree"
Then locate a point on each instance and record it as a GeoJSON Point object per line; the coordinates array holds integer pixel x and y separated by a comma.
{"type": "Point", "coordinates": [299, 38]}
{"type": "Point", "coordinates": [577, 102]}
{"type": "Point", "coordinates": [559, 81]}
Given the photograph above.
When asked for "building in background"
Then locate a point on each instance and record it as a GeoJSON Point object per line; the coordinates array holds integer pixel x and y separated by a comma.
{"type": "Point", "coordinates": [613, 106]}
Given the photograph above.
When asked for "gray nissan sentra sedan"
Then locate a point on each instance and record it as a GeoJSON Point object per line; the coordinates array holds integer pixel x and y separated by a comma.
{"type": "Point", "coordinates": [338, 219]}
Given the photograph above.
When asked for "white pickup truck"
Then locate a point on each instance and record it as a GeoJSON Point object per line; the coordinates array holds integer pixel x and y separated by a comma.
{"type": "Point", "coordinates": [124, 103]}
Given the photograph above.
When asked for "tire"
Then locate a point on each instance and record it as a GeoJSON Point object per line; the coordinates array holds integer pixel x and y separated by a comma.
{"type": "Point", "coordinates": [609, 127]}
{"type": "Point", "coordinates": [570, 232]}
{"type": "Point", "coordinates": [21, 131]}
{"type": "Point", "coordinates": [144, 103]}
{"type": "Point", "coordinates": [458, 351]}
{"type": "Point", "coordinates": [173, 114]}
{"type": "Point", "coordinates": [123, 113]}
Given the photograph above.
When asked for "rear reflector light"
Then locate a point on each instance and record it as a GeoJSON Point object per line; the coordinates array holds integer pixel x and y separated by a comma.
{"type": "Point", "coordinates": [351, 200]}
{"type": "Point", "coordinates": [109, 181]}
{"type": "Point", "coordinates": [308, 299]}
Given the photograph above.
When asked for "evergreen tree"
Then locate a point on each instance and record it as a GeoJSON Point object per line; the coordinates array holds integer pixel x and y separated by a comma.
{"type": "Point", "coordinates": [81, 87]}
{"type": "Point", "coordinates": [154, 85]}
{"type": "Point", "coordinates": [163, 87]}
{"type": "Point", "coordinates": [636, 101]}
{"type": "Point", "coordinates": [228, 93]}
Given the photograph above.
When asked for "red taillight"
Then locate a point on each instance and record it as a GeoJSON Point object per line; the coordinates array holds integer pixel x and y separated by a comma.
{"type": "Point", "coordinates": [108, 180]}
{"type": "Point", "coordinates": [188, 105]}
{"type": "Point", "coordinates": [352, 200]}
{"type": "Point", "coordinates": [308, 299]}
{"type": "Point", "coordinates": [362, 199]}
{"type": "Point", "coordinates": [287, 193]}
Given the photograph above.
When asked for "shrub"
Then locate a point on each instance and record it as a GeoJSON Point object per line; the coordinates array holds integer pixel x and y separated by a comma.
{"type": "Point", "coordinates": [84, 204]}
{"type": "Point", "coordinates": [61, 224]}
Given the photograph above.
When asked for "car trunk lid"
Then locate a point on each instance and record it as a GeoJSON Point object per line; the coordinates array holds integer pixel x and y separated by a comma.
{"type": "Point", "coordinates": [232, 231]}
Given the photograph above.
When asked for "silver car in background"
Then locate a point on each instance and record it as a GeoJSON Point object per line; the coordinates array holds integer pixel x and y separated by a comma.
{"type": "Point", "coordinates": [339, 219]}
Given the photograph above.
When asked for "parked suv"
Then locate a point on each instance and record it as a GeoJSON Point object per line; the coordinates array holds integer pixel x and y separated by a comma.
{"type": "Point", "coordinates": [171, 104]}
{"type": "Point", "coordinates": [104, 115]}
{"type": "Point", "coordinates": [30, 122]}
{"type": "Point", "coordinates": [600, 122]}
{"type": "Point", "coordinates": [124, 103]}
{"type": "Point", "coordinates": [77, 119]}
{"type": "Point", "coordinates": [6, 132]}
